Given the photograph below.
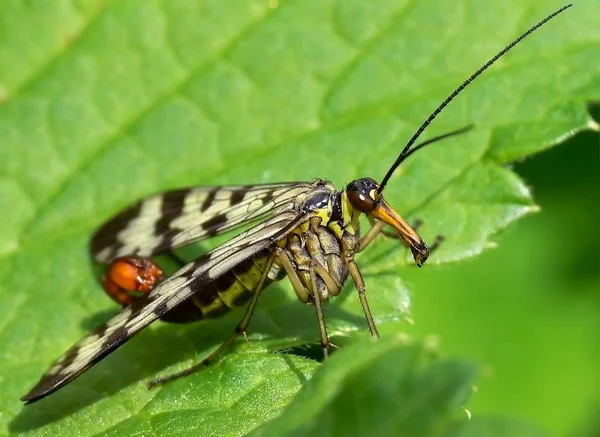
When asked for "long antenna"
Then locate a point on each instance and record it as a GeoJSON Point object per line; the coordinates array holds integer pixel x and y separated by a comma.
{"type": "Point", "coordinates": [419, 146]}
{"type": "Point", "coordinates": [457, 91]}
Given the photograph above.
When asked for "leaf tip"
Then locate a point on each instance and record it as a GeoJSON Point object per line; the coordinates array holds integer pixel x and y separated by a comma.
{"type": "Point", "coordinates": [593, 125]}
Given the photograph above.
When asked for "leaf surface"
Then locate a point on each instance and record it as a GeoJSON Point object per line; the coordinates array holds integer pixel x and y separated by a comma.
{"type": "Point", "coordinates": [102, 102]}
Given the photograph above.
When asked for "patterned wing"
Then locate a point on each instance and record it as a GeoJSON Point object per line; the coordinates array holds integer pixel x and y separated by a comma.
{"type": "Point", "coordinates": [174, 290]}
{"type": "Point", "coordinates": [176, 218]}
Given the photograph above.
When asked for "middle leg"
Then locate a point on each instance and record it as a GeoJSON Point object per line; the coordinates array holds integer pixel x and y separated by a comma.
{"type": "Point", "coordinates": [318, 306]}
{"type": "Point", "coordinates": [305, 296]}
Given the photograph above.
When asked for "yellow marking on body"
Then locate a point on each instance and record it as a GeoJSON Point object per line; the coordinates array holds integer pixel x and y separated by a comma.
{"type": "Point", "coordinates": [355, 223]}
{"type": "Point", "coordinates": [252, 276]}
{"type": "Point", "coordinates": [336, 229]}
{"type": "Point", "coordinates": [350, 218]}
{"type": "Point", "coordinates": [324, 213]}
{"type": "Point", "coordinates": [299, 230]}
{"type": "Point", "coordinates": [346, 209]}
{"type": "Point", "coordinates": [215, 306]}
{"type": "Point", "coordinates": [230, 295]}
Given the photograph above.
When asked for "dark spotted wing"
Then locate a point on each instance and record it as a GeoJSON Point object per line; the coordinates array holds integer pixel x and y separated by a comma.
{"type": "Point", "coordinates": [174, 290]}
{"type": "Point", "coordinates": [173, 219]}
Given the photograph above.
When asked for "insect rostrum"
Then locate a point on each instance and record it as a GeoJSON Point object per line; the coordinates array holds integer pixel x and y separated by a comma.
{"type": "Point", "coordinates": [307, 231]}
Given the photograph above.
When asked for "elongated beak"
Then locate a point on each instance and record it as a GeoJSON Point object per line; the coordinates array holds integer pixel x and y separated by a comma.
{"type": "Point", "coordinates": [384, 212]}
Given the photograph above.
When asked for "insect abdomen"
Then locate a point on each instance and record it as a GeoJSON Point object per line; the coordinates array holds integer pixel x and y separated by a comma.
{"type": "Point", "coordinates": [232, 289]}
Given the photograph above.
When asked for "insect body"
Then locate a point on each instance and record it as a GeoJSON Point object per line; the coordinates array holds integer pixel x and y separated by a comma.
{"type": "Point", "coordinates": [330, 231]}
{"type": "Point", "coordinates": [307, 231]}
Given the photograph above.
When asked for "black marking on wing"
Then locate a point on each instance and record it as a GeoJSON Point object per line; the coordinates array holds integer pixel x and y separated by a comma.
{"type": "Point", "coordinates": [213, 225]}
{"type": "Point", "coordinates": [112, 228]}
{"type": "Point", "coordinates": [237, 196]}
{"type": "Point", "coordinates": [167, 295]}
{"type": "Point", "coordinates": [176, 218]}
{"type": "Point", "coordinates": [209, 199]}
{"type": "Point", "coordinates": [172, 206]}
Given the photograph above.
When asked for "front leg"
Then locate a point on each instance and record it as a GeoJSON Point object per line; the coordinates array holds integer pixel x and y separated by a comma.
{"type": "Point", "coordinates": [378, 227]}
{"type": "Point", "coordinates": [360, 287]}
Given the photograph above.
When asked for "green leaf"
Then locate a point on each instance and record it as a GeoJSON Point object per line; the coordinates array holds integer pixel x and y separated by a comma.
{"type": "Point", "coordinates": [389, 387]}
{"type": "Point", "coordinates": [102, 102]}
{"type": "Point", "coordinates": [378, 388]}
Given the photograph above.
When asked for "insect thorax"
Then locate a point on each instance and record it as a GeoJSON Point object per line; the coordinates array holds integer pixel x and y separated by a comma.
{"type": "Point", "coordinates": [332, 207]}
{"type": "Point", "coordinates": [331, 231]}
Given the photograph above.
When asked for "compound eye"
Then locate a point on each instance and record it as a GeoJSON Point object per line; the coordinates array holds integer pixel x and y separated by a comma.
{"type": "Point", "coordinates": [361, 201]}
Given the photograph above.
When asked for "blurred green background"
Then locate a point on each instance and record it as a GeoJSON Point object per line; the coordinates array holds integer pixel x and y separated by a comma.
{"type": "Point", "coordinates": [529, 310]}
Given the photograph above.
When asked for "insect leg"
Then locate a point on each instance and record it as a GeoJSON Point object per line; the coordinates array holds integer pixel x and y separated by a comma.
{"type": "Point", "coordinates": [329, 280]}
{"type": "Point", "coordinates": [417, 224]}
{"type": "Point", "coordinates": [287, 265]}
{"type": "Point", "coordinates": [360, 286]}
{"type": "Point", "coordinates": [438, 238]}
{"type": "Point", "coordinates": [305, 296]}
{"type": "Point", "coordinates": [436, 243]}
{"type": "Point", "coordinates": [318, 306]}
{"type": "Point", "coordinates": [370, 235]}
{"type": "Point", "coordinates": [240, 329]}
{"type": "Point", "coordinates": [379, 227]}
